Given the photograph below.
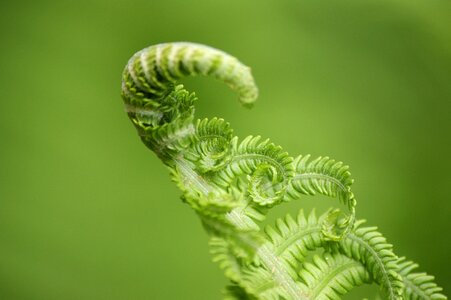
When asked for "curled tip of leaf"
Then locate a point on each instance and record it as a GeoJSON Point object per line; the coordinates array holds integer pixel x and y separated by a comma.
{"type": "Point", "coordinates": [265, 186]}
{"type": "Point", "coordinates": [337, 224]}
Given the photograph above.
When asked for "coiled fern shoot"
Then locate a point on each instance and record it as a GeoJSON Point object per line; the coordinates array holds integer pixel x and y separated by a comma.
{"type": "Point", "coordinates": [231, 184]}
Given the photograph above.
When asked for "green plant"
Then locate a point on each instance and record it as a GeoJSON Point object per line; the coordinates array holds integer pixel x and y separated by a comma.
{"type": "Point", "coordinates": [232, 184]}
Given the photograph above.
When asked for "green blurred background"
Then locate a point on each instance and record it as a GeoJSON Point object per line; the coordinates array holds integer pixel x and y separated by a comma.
{"type": "Point", "coordinates": [87, 212]}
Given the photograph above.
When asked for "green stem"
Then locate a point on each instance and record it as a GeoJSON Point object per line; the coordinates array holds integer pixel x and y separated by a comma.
{"type": "Point", "coordinates": [268, 258]}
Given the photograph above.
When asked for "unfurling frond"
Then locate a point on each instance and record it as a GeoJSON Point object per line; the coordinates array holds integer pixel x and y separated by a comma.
{"type": "Point", "coordinates": [368, 246]}
{"type": "Point", "coordinates": [330, 178]}
{"type": "Point", "coordinates": [211, 149]}
{"type": "Point", "coordinates": [231, 185]}
{"type": "Point", "coordinates": [268, 167]}
{"type": "Point", "coordinates": [321, 175]}
{"type": "Point", "coordinates": [418, 285]}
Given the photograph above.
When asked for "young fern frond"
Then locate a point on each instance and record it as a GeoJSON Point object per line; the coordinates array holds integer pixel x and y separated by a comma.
{"type": "Point", "coordinates": [322, 175]}
{"type": "Point", "coordinates": [224, 254]}
{"type": "Point", "coordinates": [369, 247]}
{"type": "Point", "coordinates": [211, 147]}
{"type": "Point", "coordinates": [257, 282]}
{"type": "Point", "coordinates": [330, 276]}
{"type": "Point", "coordinates": [268, 166]}
{"type": "Point", "coordinates": [292, 240]}
{"type": "Point", "coordinates": [330, 178]}
{"type": "Point", "coordinates": [418, 285]}
{"type": "Point", "coordinates": [231, 185]}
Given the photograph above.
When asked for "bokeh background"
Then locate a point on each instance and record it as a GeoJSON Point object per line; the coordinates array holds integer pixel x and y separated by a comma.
{"type": "Point", "coordinates": [87, 212]}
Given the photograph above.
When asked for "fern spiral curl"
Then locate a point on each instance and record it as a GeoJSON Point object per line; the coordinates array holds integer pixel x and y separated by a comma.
{"type": "Point", "coordinates": [232, 184]}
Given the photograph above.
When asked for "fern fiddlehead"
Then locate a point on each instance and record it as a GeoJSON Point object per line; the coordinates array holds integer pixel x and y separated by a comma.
{"type": "Point", "coordinates": [231, 184]}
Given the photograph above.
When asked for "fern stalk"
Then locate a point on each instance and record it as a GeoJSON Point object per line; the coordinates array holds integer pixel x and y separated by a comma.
{"type": "Point", "coordinates": [232, 184]}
